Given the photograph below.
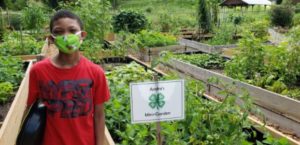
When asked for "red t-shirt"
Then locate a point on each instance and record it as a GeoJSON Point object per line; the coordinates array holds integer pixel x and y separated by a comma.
{"type": "Point", "coordinates": [70, 96]}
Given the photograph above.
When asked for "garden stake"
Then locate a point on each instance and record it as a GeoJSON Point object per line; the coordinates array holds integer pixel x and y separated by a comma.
{"type": "Point", "coordinates": [158, 127]}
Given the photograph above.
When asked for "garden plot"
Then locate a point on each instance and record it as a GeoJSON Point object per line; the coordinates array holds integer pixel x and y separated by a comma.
{"type": "Point", "coordinates": [118, 113]}
{"type": "Point", "coordinates": [259, 64]}
{"type": "Point", "coordinates": [276, 108]}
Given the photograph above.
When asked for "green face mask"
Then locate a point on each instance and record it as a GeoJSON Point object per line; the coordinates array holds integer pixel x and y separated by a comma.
{"type": "Point", "coordinates": [67, 43]}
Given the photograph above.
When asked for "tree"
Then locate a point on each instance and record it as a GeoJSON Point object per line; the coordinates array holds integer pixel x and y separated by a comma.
{"type": "Point", "coordinates": [281, 15]}
{"type": "Point", "coordinates": [278, 2]}
{"type": "Point", "coordinates": [204, 17]}
{"type": "Point", "coordinates": [214, 9]}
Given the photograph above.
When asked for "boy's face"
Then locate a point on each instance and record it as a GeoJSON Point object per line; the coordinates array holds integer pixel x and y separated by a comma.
{"type": "Point", "coordinates": [65, 26]}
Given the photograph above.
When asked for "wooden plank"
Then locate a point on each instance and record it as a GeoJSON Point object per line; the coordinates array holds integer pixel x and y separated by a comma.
{"type": "Point", "coordinates": [12, 122]}
{"type": "Point", "coordinates": [202, 47]}
{"type": "Point", "coordinates": [212, 94]}
{"type": "Point", "coordinates": [205, 47]}
{"type": "Point", "coordinates": [108, 139]}
{"type": "Point", "coordinates": [261, 126]}
{"type": "Point", "coordinates": [27, 57]}
{"type": "Point", "coordinates": [285, 124]}
{"type": "Point", "coordinates": [273, 101]}
{"type": "Point", "coordinates": [146, 65]}
{"type": "Point", "coordinates": [277, 103]}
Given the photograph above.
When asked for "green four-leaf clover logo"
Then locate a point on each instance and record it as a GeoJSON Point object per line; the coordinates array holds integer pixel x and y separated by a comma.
{"type": "Point", "coordinates": [157, 100]}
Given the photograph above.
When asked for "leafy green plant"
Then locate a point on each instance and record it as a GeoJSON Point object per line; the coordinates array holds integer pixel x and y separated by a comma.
{"type": "Point", "coordinates": [14, 5]}
{"type": "Point", "coordinates": [293, 92]}
{"type": "Point", "coordinates": [224, 35]}
{"type": "Point", "coordinates": [10, 70]}
{"type": "Point", "coordinates": [95, 15]}
{"type": "Point", "coordinates": [297, 8]}
{"type": "Point", "coordinates": [281, 15]}
{"type": "Point", "coordinates": [294, 52]}
{"type": "Point", "coordinates": [16, 43]}
{"type": "Point", "coordinates": [258, 28]}
{"type": "Point", "coordinates": [249, 61]}
{"type": "Point", "coordinates": [296, 20]}
{"type": "Point", "coordinates": [206, 122]}
{"type": "Point", "coordinates": [166, 22]}
{"type": "Point", "coordinates": [275, 68]}
{"type": "Point", "coordinates": [208, 61]}
{"type": "Point", "coordinates": [6, 89]}
{"type": "Point", "coordinates": [2, 25]}
{"type": "Point", "coordinates": [34, 17]}
{"type": "Point", "coordinates": [155, 39]}
{"type": "Point", "coordinates": [15, 21]}
{"type": "Point", "coordinates": [130, 21]}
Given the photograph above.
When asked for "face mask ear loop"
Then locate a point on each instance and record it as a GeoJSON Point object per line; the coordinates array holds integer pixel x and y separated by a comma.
{"type": "Point", "coordinates": [53, 36]}
{"type": "Point", "coordinates": [77, 33]}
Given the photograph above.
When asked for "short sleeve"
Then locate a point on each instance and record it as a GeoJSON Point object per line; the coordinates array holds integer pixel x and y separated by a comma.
{"type": "Point", "coordinates": [102, 93]}
{"type": "Point", "coordinates": [33, 86]}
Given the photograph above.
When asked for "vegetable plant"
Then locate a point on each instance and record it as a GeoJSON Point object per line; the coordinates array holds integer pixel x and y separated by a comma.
{"type": "Point", "coordinates": [10, 76]}
{"type": "Point", "coordinates": [6, 89]}
{"type": "Point", "coordinates": [145, 39]}
{"type": "Point", "coordinates": [206, 122]}
{"type": "Point", "coordinates": [16, 43]}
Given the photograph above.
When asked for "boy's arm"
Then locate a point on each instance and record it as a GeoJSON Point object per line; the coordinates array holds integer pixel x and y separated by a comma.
{"type": "Point", "coordinates": [99, 119]}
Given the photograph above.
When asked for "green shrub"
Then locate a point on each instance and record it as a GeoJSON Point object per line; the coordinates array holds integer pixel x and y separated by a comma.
{"type": "Point", "coordinates": [6, 89]}
{"type": "Point", "coordinates": [281, 16]}
{"type": "Point", "coordinates": [297, 8]}
{"type": "Point", "coordinates": [129, 21]}
{"type": "Point", "coordinates": [34, 17]}
{"type": "Point", "coordinates": [17, 44]}
{"type": "Point", "coordinates": [259, 29]}
{"type": "Point", "coordinates": [278, 2]}
{"type": "Point", "coordinates": [2, 26]}
{"type": "Point", "coordinates": [204, 17]}
{"type": "Point", "coordinates": [154, 39]}
{"type": "Point", "coordinates": [296, 20]}
{"type": "Point", "coordinates": [293, 65]}
{"type": "Point", "coordinates": [224, 35]}
{"type": "Point", "coordinates": [250, 60]}
{"type": "Point", "coordinates": [166, 22]}
{"type": "Point", "coordinates": [14, 4]}
{"type": "Point", "coordinates": [15, 21]}
{"type": "Point", "coordinates": [95, 14]}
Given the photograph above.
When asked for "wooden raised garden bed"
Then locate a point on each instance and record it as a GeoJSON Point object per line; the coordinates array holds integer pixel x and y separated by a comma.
{"type": "Point", "coordinates": [12, 123]}
{"type": "Point", "coordinates": [206, 48]}
{"type": "Point", "coordinates": [278, 109]}
{"type": "Point", "coordinates": [258, 124]}
{"type": "Point", "coordinates": [148, 54]}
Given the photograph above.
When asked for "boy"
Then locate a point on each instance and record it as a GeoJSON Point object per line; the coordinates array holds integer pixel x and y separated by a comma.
{"type": "Point", "coordinates": [73, 88]}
